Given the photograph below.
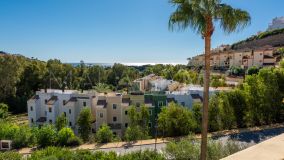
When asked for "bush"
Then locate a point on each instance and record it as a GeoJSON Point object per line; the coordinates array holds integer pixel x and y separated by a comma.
{"type": "Point", "coordinates": [133, 133]}
{"type": "Point", "coordinates": [236, 71]}
{"type": "Point", "coordinates": [74, 141]}
{"type": "Point", "coordinates": [3, 111]}
{"type": "Point", "coordinates": [46, 136]}
{"type": "Point", "coordinates": [10, 156]}
{"type": "Point", "coordinates": [143, 155]}
{"type": "Point", "coordinates": [23, 137]}
{"type": "Point", "coordinates": [64, 154]}
{"type": "Point", "coordinates": [252, 70]}
{"type": "Point", "coordinates": [176, 120]}
{"type": "Point", "coordinates": [104, 134]}
{"type": "Point", "coordinates": [20, 135]}
{"type": "Point", "coordinates": [189, 148]}
{"type": "Point", "coordinates": [64, 135]}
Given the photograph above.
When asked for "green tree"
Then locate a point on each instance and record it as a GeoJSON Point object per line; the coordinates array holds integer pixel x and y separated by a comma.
{"type": "Point", "coordinates": [3, 110]}
{"type": "Point", "coordinates": [64, 135]}
{"type": "Point", "coordinates": [133, 133]}
{"type": "Point", "coordinates": [200, 15]}
{"type": "Point", "coordinates": [46, 136]}
{"type": "Point", "coordinates": [104, 134]}
{"type": "Point", "coordinates": [139, 119]}
{"type": "Point", "coordinates": [176, 120]}
{"type": "Point", "coordinates": [85, 123]}
{"type": "Point", "coordinates": [252, 70]}
{"type": "Point", "coordinates": [182, 76]}
{"type": "Point", "coordinates": [10, 70]}
{"type": "Point", "coordinates": [237, 101]}
{"type": "Point", "coordinates": [61, 122]}
{"type": "Point", "coordinates": [197, 114]}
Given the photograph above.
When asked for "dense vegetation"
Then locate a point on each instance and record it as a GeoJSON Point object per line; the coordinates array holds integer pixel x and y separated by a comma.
{"type": "Point", "coordinates": [185, 149]}
{"type": "Point", "coordinates": [21, 77]}
{"type": "Point", "coordinates": [258, 101]}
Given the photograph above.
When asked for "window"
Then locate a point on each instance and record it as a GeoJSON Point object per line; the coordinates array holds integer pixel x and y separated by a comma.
{"type": "Point", "coordinates": [45, 113]}
{"type": "Point", "coordinates": [114, 133]}
{"type": "Point", "coordinates": [101, 115]}
{"type": "Point", "coordinates": [183, 103]}
{"type": "Point", "coordinates": [150, 124]}
{"type": "Point", "coordinates": [64, 102]}
{"type": "Point", "coordinates": [32, 120]}
{"type": "Point", "coordinates": [50, 121]}
{"type": "Point", "coordinates": [31, 108]}
{"type": "Point", "coordinates": [114, 119]}
{"type": "Point", "coordinates": [126, 112]}
{"type": "Point", "coordinates": [65, 114]}
{"type": "Point", "coordinates": [50, 109]}
{"type": "Point", "coordinates": [160, 103]}
{"type": "Point", "coordinates": [150, 112]}
{"type": "Point", "coordinates": [114, 106]}
{"type": "Point", "coordinates": [45, 101]}
{"type": "Point", "coordinates": [70, 124]}
{"type": "Point", "coordinates": [69, 111]}
{"type": "Point", "coordinates": [84, 104]}
{"type": "Point", "coordinates": [126, 125]}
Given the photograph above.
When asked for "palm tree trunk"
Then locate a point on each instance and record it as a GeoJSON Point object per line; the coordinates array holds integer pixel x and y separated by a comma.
{"type": "Point", "coordinates": [205, 98]}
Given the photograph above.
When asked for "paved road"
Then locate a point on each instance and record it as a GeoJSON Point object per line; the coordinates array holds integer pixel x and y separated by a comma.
{"type": "Point", "coordinates": [247, 139]}
{"type": "Point", "coordinates": [123, 150]}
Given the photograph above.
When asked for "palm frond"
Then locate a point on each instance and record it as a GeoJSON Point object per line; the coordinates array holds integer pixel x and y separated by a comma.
{"type": "Point", "coordinates": [232, 19]}
{"type": "Point", "coordinates": [192, 14]}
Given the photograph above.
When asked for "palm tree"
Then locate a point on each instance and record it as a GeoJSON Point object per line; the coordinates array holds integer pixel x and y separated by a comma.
{"type": "Point", "coordinates": [201, 15]}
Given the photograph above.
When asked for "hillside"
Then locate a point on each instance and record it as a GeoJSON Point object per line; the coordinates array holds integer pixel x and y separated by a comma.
{"type": "Point", "coordinates": [273, 38]}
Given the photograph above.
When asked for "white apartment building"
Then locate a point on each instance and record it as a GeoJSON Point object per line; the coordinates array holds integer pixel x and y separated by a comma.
{"type": "Point", "coordinates": [48, 104]}
{"type": "Point", "coordinates": [242, 58]}
{"type": "Point", "coordinates": [153, 83]}
{"type": "Point", "coordinates": [112, 109]}
{"type": "Point", "coordinates": [191, 94]}
{"type": "Point", "coordinates": [277, 23]}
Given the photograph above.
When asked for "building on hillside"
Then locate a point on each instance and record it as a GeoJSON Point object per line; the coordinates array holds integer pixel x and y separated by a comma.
{"type": "Point", "coordinates": [152, 83]}
{"type": "Point", "coordinates": [277, 23]}
{"type": "Point", "coordinates": [142, 84]}
{"type": "Point", "coordinates": [241, 58]}
{"type": "Point", "coordinates": [191, 94]}
{"type": "Point", "coordinates": [46, 105]}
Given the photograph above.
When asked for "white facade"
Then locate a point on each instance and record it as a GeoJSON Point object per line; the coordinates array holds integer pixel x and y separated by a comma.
{"type": "Point", "coordinates": [160, 84]}
{"type": "Point", "coordinates": [247, 58]}
{"type": "Point", "coordinates": [277, 23]}
{"type": "Point", "coordinates": [188, 95]}
{"type": "Point", "coordinates": [47, 105]}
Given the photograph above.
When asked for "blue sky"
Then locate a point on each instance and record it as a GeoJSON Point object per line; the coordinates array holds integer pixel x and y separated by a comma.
{"type": "Point", "coordinates": [112, 30]}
